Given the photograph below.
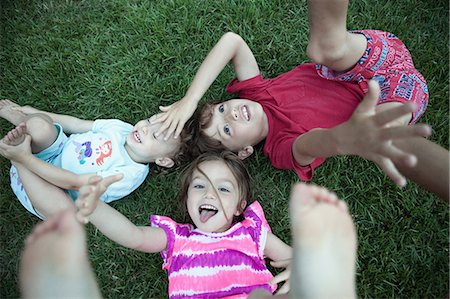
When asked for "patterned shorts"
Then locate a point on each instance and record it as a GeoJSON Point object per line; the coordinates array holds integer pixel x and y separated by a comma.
{"type": "Point", "coordinates": [388, 61]}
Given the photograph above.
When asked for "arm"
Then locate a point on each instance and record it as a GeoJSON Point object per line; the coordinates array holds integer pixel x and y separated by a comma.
{"type": "Point", "coordinates": [69, 123]}
{"type": "Point", "coordinates": [231, 47]}
{"type": "Point", "coordinates": [365, 134]}
{"type": "Point", "coordinates": [62, 178]}
{"type": "Point", "coordinates": [113, 224]}
{"type": "Point", "coordinates": [281, 255]}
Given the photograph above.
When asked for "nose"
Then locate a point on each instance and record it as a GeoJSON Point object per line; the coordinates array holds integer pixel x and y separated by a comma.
{"type": "Point", "coordinates": [234, 114]}
{"type": "Point", "coordinates": [209, 193]}
{"type": "Point", "coordinates": [145, 130]}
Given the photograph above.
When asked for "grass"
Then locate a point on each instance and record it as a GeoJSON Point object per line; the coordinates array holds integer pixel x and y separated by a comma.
{"type": "Point", "coordinates": [122, 59]}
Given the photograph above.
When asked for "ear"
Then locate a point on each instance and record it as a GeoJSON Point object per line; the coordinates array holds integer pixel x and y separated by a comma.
{"type": "Point", "coordinates": [241, 209]}
{"type": "Point", "coordinates": [165, 162]}
{"type": "Point", "coordinates": [245, 152]}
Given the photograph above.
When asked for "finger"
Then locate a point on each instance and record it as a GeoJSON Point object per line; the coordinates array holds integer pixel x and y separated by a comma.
{"type": "Point", "coordinates": [171, 129]}
{"type": "Point", "coordinates": [94, 179]}
{"type": "Point", "coordinates": [154, 118]}
{"type": "Point", "coordinates": [284, 289]}
{"type": "Point", "coordinates": [178, 132]}
{"type": "Point", "coordinates": [398, 156]}
{"type": "Point", "coordinates": [386, 116]}
{"type": "Point", "coordinates": [401, 132]}
{"type": "Point", "coordinates": [280, 263]}
{"type": "Point", "coordinates": [164, 126]}
{"type": "Point", "coordinates": [158, 118]}
{"type": "Point", "coordinates": [391, 171]}
{"type": "Point", "coordinates": [283, 276]}
{"type": "Point", "coordinates": [107, 181]}
{"type": "Point", "coordinates": [81, 218]}
{"type": "Point", "coordinates": [370, 99]}
{"type": "Point", "coordinates": [165, 108]}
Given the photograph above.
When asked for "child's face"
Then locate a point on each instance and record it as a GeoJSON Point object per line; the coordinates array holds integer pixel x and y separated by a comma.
{"type": "Point", "coordinates": [238, 123]}
{"type": "Point", "coordinates": [144, 147]}
{"type": "Point", "coordinates": [207, 211]}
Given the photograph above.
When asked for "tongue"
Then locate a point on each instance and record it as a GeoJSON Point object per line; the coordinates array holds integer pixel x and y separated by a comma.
{"type": "Point", "coordinates": [206, 214]}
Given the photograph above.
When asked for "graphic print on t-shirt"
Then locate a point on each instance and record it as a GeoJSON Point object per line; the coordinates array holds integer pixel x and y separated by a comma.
{"type": "Point", "coordinates": [95, 155]}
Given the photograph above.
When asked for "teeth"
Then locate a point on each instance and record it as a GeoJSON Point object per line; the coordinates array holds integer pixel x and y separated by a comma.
{"type": "Point", "coordinates": [208, 207]}
{"type": "Point", "coordinates": [244, 110]}
{"type": "Point", "coordinates": [137, 136]}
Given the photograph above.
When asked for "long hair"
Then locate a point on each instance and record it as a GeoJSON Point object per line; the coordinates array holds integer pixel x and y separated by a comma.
{"type": "Point", "coordinates": [233, 163]}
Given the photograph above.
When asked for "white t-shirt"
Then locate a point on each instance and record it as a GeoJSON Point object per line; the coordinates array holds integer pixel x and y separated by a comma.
{"type": "Point", "coordinates": [102, 151]}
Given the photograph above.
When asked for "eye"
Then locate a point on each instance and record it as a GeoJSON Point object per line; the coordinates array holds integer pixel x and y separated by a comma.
{"type": "Point", "coordinates": [223, 189]}
{"type": "Point", "coordinates": [227, 130]}
{"type": "Point", "coordinates": [221, 108]}
{"type": "Point", "coordinates": [198, 186]}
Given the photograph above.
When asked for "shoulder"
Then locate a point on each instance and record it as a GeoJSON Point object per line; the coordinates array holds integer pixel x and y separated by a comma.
{"type": "Point", "coordinates": [111, 124]}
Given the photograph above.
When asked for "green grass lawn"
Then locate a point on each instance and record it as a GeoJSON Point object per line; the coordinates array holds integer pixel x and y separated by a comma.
{"type": "Point", "coordinates": [122, 59]}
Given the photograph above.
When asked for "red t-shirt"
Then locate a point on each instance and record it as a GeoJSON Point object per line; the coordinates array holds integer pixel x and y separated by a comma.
{"type": "Point", "coordinates": [296, 102]}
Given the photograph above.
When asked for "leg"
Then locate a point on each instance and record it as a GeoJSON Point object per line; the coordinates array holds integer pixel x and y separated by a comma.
{"type": "Point", "coordinates": [55, 262]}
{"type": "Point", "coordinates": [324, 245]}
{"type": "Point", "coordinates": [330, 43]}
{"type": "Point", "coordinates": [7, 112]}
{"type": "Point", "coordinates": [432, 168]}
{"type": "Point", "coordinates": [39, 126]}
{"type": "Point", "coordinates": [431, 171]}
{"type": "Point", "coordinates": [45, 197]}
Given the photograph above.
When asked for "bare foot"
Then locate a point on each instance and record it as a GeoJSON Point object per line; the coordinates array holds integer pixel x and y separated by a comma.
{"type": "Point", "coordinates": [16, 136]}
{"type": "Point", "coordinates": [324, 244]}
{"type": "Point", "coordinates": [55, 263]}
{"type": "Point", "coordinates": [8, 112]}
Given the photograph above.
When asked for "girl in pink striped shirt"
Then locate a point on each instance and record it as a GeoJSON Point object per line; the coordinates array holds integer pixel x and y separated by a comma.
{"type": "Point", "coordinates": [222, 254]}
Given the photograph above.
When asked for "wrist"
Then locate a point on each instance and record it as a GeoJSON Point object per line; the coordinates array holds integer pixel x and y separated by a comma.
{"type": "Point", "coordinates": [338, 137]}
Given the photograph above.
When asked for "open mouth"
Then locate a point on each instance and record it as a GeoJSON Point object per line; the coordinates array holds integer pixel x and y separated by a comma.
{"type": "Point", "coordinates": [245, 113]}
{"type": "Point", "coordinates": [137, 137]}
{"type": "Point", "coordinates": [206, 212]}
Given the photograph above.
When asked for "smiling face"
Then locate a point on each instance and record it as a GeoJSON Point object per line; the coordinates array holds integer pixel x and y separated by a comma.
{"type": "Point", "coordinates": [144, 147]}
{"type": "Point", "coordinates": [238, 123]}
{"type": "Point", "coordinates": [209, 212]}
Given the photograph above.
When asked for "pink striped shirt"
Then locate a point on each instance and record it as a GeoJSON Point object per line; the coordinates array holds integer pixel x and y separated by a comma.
{"type": "Point", "coordinates": [216, 265]}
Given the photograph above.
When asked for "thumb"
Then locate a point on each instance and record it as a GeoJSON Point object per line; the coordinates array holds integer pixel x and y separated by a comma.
{"type": "Point", "coordinates": [27, 139]}
{"type": "Point", "coordinates": [165, 108]}
{"type": "Point", "coordinates": [112, 179]}
{"type": "Point", "coordinates": [371, 98]}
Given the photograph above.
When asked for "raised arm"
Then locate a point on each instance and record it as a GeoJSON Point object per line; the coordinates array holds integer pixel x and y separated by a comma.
{"type": "Point", "coordinates": [69, 123]}
{"type": "Point", "coordinates": [113, 224]}
{"type": "Point", "coordinates": [365, 134]}
{"type": "Point", "coordinates": [230, 47]}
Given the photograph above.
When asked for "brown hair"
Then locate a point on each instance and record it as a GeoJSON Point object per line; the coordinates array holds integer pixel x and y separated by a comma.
{"type": "Point", "coordinates": [233, 163]}
{"type": "Point", "coordinates": [196, 142]}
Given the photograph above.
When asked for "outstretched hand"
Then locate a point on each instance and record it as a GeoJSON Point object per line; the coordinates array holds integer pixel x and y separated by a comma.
{"type": "Point", "coordinates": [368, 135]}
{"type": "Point", "coordinates": [283, 276]}
{"type": "Point", "coordinates": [173, 117]}
{"type": "Point", "coordinates": [89, 195]}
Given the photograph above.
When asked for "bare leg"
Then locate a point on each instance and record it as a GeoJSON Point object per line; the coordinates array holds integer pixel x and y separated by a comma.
{"type": "Point", "coordinates": [46, 198]}
{"type": "Point", "coordinates": [324, 245]}
{"type": "Point", "coordinates": [39, 126]}
{"type": "Point", "coordinates": [330, 43]}
{"type": "Point", "coordinates": [7, 112]}
{"type": "Point", "coordinates": [55, 262]}
{"type": "Point", "coordinates": [432, 168]}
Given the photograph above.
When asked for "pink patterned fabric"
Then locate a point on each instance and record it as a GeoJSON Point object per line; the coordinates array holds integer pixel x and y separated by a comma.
{"type": "Point", "coordinates": [216, 265]}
